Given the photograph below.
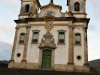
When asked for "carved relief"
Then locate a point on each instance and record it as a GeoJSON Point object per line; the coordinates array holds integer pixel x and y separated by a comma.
{"type": "Point", "coordinates": [53, 12]}
{"type": "Point", "coordinates": [50, 11]}
{"type": "Point", "coordinates": [47, 41]}
{"type": "Point", "coordinates": [49, 22]}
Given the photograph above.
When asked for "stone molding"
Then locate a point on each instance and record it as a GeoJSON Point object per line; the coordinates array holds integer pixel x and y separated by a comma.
{"type": "Point", "coordinates": [85, 48]}
{"type": "Point", "coordinates": [24, 61]}
{"type": "Point", "coordinates": [73, 19]}
{"type": "Point", "coordinates": [11, 64]}
{"type": "Point", "coordinates": [70, 53]}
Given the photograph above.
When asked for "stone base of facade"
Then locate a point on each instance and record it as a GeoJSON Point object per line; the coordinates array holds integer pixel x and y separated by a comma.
{"type": "Point", "coordinates": [86, 68]}
{"type": "Point", "coordinates": [69, 68]}
{"type": "Point", "coordinates": [59, 67]}
{"type": "Point", "coordinates": [23, 64]}
{"type": "Point", "coordinates": [82, 68]}
{"type": "Point", "coordinates": [17, 65]}
{"type": "Point", "coordinates": [78, 68]}
{"type": "Point", "coordinates": [11, 64]}
{"type": "Point", "coordinates": [33, 66]}
{"type": "Point", "coordinates": [56, 67]}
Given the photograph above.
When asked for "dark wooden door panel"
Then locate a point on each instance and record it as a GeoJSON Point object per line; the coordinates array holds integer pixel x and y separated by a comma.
{"type": "Point", "coordinates": [46, 60]}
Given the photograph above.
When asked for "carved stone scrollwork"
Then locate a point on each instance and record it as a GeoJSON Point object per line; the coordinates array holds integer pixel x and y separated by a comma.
{"type": "Point", "coordinates": [71, 26]}
{"type": "Point", "coordinates": [47, 41]}
{"type": "Point", "coordinates": [28, 26]}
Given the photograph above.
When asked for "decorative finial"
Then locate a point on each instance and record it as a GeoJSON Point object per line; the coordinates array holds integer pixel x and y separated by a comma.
{"type": "Point", "coordinates": [51, 1]}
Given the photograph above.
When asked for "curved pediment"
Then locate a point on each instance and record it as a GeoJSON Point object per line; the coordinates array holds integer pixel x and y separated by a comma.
{"type": "Point", "coordinates": [51, 5]}
{"type": "Point", "coordinates": [52, 9]}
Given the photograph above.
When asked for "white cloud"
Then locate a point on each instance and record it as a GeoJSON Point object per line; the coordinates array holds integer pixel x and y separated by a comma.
{"type": "Point", "coordinates": [0, 50]}
{"type": "Point", "coordinates": [4, 26]}
{"type": "Point", "coordinates": [1, 25]}
{"type": "Point", "coordinates": [11, 1]}
{"type": "Point", "coordinates": [5, 50]}
{"type": "Point", "coordinates": [7, 31]}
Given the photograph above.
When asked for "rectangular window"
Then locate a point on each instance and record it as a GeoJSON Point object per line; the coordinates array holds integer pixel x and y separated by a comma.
{"type": "Point", "coordinates": [22, 38]}
{"type": "Point", "coordinates": [61, 37]}
{"type": "Point", "coordinates": [35, 37]}
{"type": "Point", "coordinates": [77, 38]}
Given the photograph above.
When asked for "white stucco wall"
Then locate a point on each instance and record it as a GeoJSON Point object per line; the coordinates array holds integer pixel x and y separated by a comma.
{"type": "Point", "coordinates": [79, 15]}
{"type": "Point", "coordinates": [19, 48]}
{"type": "Point", "coordinates": [79, 50]}
{"type": "Point", "coordinates": [33, 50]}
{"type": "Point", "coordinates": [61, 52]}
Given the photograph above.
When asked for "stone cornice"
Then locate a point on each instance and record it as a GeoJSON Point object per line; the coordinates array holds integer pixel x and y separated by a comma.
{"type": "Point", "coordinates": [73, 19]}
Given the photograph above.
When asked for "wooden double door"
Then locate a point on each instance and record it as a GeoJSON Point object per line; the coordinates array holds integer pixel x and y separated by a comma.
{"type": "Point", "coordinates": [46, 59]}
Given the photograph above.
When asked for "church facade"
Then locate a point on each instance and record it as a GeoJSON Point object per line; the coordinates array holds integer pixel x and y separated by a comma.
{"type": "Point", "coordinates": [51, 39]}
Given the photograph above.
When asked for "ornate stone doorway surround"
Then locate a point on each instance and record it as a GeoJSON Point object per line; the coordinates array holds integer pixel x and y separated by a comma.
{"type": "Point", "coordinates": [47, 43]}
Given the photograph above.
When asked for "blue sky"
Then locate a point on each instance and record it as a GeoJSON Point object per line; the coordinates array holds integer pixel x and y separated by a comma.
{"type": "Point", "coordinates": [10, 10]}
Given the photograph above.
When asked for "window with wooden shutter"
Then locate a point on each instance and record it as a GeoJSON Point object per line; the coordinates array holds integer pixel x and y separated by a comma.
{"type": "Point", "coordinates": [22, 38]}
{"type": "Point", "coordinates": [61, 37]}
{"type": "Point", "coordinates": [35, 36]}
{"type": "Point", "coordinates": [77, 38]}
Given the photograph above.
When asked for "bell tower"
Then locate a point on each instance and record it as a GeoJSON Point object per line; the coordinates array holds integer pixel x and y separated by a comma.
{"type": "Point", "coordinates": [29, 8]}
{"type": "Point", "coordinates": [77, 8]}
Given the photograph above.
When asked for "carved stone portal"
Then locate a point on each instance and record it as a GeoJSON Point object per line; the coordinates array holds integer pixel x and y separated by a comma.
{"type": "Point", "coordinates": [47, 41]}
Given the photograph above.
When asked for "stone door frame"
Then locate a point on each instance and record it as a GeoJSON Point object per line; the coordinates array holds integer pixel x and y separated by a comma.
{"type": "Point", "coordinates": [52, 58]}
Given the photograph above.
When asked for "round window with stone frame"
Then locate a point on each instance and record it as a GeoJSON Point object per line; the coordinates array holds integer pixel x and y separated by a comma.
{"type": "Point", "coordinates": [79, 57]}
{"type": "Point", "coordinates": [18, 54]}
